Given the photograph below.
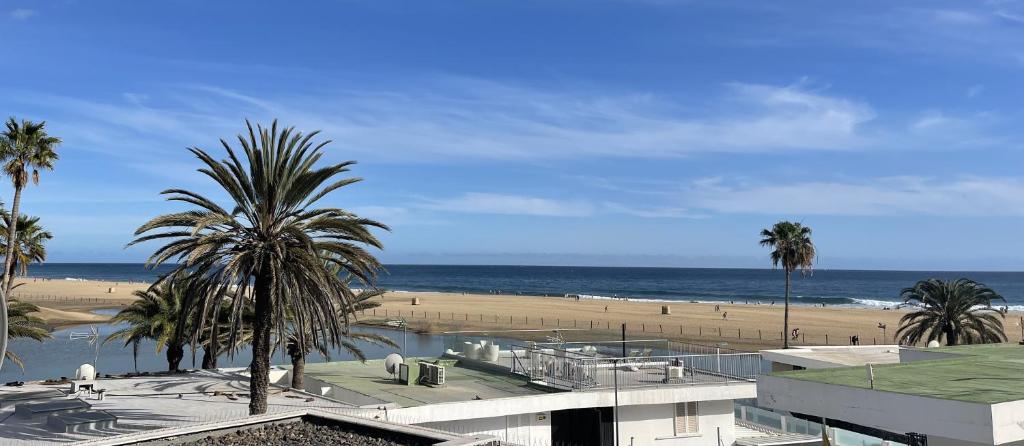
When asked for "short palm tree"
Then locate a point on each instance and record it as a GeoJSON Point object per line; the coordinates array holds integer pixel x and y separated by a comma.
{"type": "Point", "coordinates": [24, 147]}
{"type": "Point", "coordinates": [298, 347]}
{"type": "Point", "coordinates": [155, 315]}
{"type": "Point", "coordinates": [792, 249]}
{"type": "Point", "coordinates": [266, 243]}
{"type": "Point", "coordinates": [31, 246]}
{"type": "Point", "coordinates": [24, 325]}
{"type": "Point", "coordinates": [960, 311]}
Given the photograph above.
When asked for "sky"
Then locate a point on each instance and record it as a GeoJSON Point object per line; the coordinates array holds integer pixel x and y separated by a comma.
{"type": "Point", "coordinates": [597, 132]}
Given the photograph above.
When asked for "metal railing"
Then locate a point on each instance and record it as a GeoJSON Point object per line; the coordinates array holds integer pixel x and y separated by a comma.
{"type": "Point", "coordinates": [636, 347]}
{"type": "Point", "coordinates": [586, 370]}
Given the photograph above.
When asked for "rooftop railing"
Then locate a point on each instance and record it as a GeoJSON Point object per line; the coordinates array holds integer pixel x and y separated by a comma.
{"type": "Point", "coordinates": [587, 369]}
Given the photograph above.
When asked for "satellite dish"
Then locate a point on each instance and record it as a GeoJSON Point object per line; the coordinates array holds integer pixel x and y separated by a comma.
{"type": "Point", "coordinates": [391, 363]}
{"type": "Point", "coordinates": [933, 343]}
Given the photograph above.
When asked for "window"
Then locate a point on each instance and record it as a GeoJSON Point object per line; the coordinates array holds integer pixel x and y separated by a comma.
{"type": "Point", "coordinates": [686, 418]}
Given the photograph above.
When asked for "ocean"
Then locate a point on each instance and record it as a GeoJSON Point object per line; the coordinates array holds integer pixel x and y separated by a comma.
{"type": "Point", "coordinates": [831, 287]}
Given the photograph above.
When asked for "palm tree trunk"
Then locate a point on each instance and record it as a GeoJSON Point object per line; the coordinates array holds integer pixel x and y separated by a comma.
{"type": "Point", "coordinates": [259, 368]}
{"type": "Point", "coordinates": [7, 281]}
{"type": "Point", "coordinates": [215, 340]}
{"type": "Point", "coordinates": [785, 315]}
{"type": "Point", "coordinates": [12, 236]}
{"type": "Point", "coordinates": [175, 353]}
{"type": "Point", "coordinates": [208, 358]}
{"type": "Point", "coordinates": [298, 370]}
{"type": "Point", "coordinates": [135, 355]}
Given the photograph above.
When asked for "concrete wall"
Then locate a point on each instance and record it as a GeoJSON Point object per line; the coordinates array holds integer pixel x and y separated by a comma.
{"type": "Point", "coordinates": [533, 429]}
{"type": "Point", "coordinates": [895, 412]}
{"type": "Point", "coordinates": [639, 425]}
{"type": "Point", "coordinates": [575, 400]}
{"type": "Point", "coordinates": [654, 425]}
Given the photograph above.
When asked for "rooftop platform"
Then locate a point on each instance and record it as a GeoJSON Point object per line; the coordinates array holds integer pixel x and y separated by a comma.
{"type": "Point", "coordinates": [825, 357]}
{"type": "Point", "coordinates": [992, 373]}
{"type": "Point", "coordinates": [369, 383]}
{"type": "Point", "coordinates": [139, 405]}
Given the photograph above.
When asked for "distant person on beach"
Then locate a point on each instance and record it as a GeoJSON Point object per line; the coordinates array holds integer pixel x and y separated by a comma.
{"type": "Point", "coordinates": [605, 308]}
{"type": "Point", "coordinates": [725, 315]}
{"type": "Point", "coordinates": [795, 334]}
{"type": "Point", "coordinates": [717, 308]}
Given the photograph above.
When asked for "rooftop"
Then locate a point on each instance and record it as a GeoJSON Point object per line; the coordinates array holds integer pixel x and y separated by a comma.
{"type": "Point", "coordinates": [364, 384]}
{"type": "Point", "coordinates": [821, 357]}
{"type": "Point", "coordinates": [140, 404]}
{"type": "Point", "coordinates": [990, 373]}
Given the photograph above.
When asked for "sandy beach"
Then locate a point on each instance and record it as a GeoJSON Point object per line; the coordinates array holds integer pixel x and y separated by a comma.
{"type": "Point", "coordinates": [71, 302]}
{"type": "Point", "coordinates": [747, 326]}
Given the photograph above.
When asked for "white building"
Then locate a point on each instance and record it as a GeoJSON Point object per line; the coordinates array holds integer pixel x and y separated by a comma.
{"type": "Point", "coordinates": [965, 395]}
{"type": "Point", "coordinates": [659, 393]}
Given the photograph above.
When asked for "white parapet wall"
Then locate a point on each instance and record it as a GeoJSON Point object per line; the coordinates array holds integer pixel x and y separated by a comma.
{"type": "Point", "coordinates": [957, 421]}
{"type": "Point", "coordinates": [533, 429]}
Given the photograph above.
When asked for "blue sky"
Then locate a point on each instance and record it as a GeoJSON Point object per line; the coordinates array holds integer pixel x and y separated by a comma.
{"type": "Point", "coordinates": [597, 132]}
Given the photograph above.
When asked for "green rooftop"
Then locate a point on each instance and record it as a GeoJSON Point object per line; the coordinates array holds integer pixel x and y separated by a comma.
{"type": "Point", "coordinates": [990, 373]}
{"type": "Point", "coordinates": [368, 383]}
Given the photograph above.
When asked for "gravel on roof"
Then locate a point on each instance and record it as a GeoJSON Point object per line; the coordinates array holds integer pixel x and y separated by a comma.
{"type": "Point", "coordinates": [307, 433]}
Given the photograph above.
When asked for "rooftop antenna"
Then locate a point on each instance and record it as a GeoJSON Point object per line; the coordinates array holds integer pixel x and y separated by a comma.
{"type": "Point", "coordinates": [92, 337]}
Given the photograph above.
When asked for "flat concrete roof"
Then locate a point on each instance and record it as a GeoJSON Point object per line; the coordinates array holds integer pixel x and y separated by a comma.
{"type": "Point", "coordinates": [369, 383]}
{"type": "Point", "coordinates": [146, 403]}
{"type": "Point", "coordinates": [822, 357]}
{"type": "Point", "coordinates": [990, 373]}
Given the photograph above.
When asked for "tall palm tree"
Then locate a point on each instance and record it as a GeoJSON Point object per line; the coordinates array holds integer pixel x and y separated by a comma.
{"type": "Point", "coordinates": [267, 242]}
{"type": "Point", "coordinates": [298, 347]}
{"type": "Point", "coordinates": [24, 325]}
{"type": "Point", "coordinates": [155, 315]}
{"type": "Point", "coordinates": [24, 147]}
{"type": "Point", "coordinates": [958, 310]}
{"type": "Point", "coordinates": [792, 249]}
{"type": "Point", "coordinates": [31, 245]}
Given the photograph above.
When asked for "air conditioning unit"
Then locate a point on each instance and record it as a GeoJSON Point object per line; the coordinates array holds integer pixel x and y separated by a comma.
{"type": "Point", "coordinates": [431, 374]}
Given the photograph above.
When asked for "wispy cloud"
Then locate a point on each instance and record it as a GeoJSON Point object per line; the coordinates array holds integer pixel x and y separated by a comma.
{"type": "Point", "coordinates": [458, 118]}
{"type": "Point", "coordinates": [505, 204]}
{"type": "Point", "coordinates": [488, 203]}
{"type": "Point", "coordinates": [22, 14]}
{"type": "Point", "coordinates": [908, 195]}
{"type": "Point", "coordinates": [653, 212]}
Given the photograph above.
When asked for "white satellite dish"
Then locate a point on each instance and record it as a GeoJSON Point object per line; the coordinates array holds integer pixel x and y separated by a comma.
{"type": "Point", "coordinates": [392, 361]}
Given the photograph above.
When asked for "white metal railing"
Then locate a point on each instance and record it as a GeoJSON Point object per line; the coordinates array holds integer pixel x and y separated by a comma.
{"type": "Point", "coordinates": [571, 370]}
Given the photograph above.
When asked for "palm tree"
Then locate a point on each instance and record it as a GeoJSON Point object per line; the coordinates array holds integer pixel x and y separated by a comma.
{"type": "Point", "coordinates": [24, 147]}
{"type": "Point", "coordinates": [266, 243]}
{"type": "Point", "coordinates": [24, 325]}
{"type": "Point", "coordinates": [210, 336]}
{"type": "Point", "coordinates": [155, 315]}
{"type": "Point", "coordinates": [792, 249]}
{"type": "Point", "coordinates": [959, 310]}
{"type": "Point", "coordinates": [31, 246]}
{"type": "Point", "coordinates": [298, 347]}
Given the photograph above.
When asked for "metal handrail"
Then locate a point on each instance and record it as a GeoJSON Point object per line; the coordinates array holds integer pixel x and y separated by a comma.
{"type": "Point", "coordinates": [573, 371]}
